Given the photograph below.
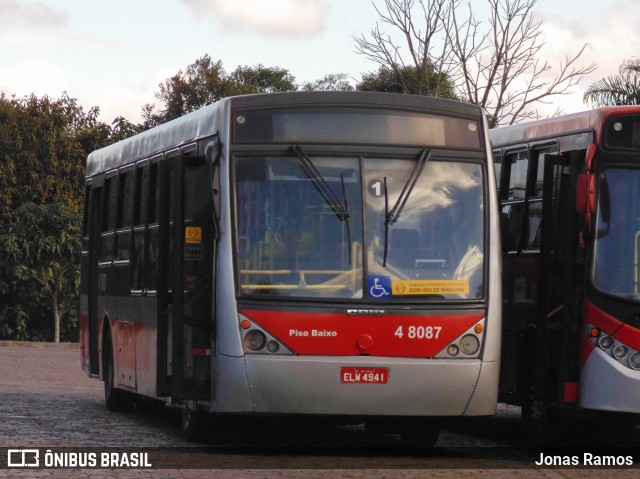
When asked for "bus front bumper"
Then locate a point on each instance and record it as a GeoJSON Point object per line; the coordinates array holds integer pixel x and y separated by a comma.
{"type": "Point", "coordinates": [607, 385]}
{"type": "Point", "coordinates": [412, 387]}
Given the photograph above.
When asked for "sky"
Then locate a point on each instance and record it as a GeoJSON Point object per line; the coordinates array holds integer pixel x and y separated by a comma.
{"type": "Point", "coordinates": [113, 54]}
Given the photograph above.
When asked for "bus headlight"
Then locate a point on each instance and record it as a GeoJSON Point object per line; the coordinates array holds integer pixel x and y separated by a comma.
{"type": "Point", "coordinates": [634, 361]}
{"type": "Point", "coordinates": [605, 342]}
{"type": "Point", "coordinates": [620, 351]}
{"type": "Point", "coordinates": [625, 355]}
{"type": "Point", "coordinates": [469, 344]}
{"type": "Point", "coordinates": [254, 340]}
{"type": "Point", "coordinates": [466, 345]}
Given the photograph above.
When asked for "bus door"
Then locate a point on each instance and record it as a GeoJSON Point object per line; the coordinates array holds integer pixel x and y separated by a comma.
{"type": "Point", "coordinates": [94, 197]}
{"type": "Point", "coordinates": [191, 267]}
{"type": "Point", "coordinates": [557, 354]}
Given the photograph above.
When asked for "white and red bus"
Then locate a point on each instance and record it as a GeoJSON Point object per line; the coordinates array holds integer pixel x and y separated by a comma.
{"type": "Point", "coordinates": [569, 193]}
{"type": "Point", "coordinates": [308, 254]}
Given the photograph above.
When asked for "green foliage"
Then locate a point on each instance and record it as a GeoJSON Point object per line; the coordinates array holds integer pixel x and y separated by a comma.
{"type": "Point", "coordinates": [331, 81]}
{"type": "Point", "coordinates": [44, 146]}
{"type": "Point", "coordinates": [121, 128]}
{"type": "Point", "coordinates": [206, 81]}
{"type": "Point", "coordinates": [203, 82]}
{"type": "Point", "coordinates": [247, 80]}
{"type": "Point", "coordinates": [44, 143]}
{"type": "Point", "coordinates": [39, 253]}
{"type": "Point", "coordinates": [409, 80]}
{"type": "Point", "coordinates": [621, 89]}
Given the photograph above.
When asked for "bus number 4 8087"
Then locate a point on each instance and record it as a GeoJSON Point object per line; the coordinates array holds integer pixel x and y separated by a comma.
{"type": "Point", "coordinates": [419, 332]}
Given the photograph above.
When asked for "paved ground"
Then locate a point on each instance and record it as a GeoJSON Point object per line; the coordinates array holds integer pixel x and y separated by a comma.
{"type": "Point", "coordinates": [46, 401]}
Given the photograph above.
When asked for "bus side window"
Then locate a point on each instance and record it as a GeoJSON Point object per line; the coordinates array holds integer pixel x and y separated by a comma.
{"type": "Point", "coordinates": [109, 212]}
{"type": "Point", "coordinates": [533, 225]}
{"type": "Point", "coordinates": [153, 245]}
{"type": "Point", "coordinates": [512, 215]}
{"type": "Point", "coordinates": [537, 171]}
{"type": "Point", "coordinates": [125, 214]}
{"type": "Point", "coordinates": [515, 165]}
{"type": "Point", "coordinates": [139, 230]}
{"type": "Point", "coordinates": [519, 163]}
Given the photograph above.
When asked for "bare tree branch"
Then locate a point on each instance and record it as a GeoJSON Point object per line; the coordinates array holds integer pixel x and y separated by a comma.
{"type": "Point", "coordinates": [418, 38]}
{"type": "Point", "coordinates": [496, 65]}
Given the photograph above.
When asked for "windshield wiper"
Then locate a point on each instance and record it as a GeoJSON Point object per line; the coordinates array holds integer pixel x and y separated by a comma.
{"type": "Point", "coordinates": [321, 185]}
{"type": "Point", "coordinates": [393, 215]}
{"type": "Point", "coordinates": [346, 210]}
{"type": "Point", "coordinates": [340, 209]}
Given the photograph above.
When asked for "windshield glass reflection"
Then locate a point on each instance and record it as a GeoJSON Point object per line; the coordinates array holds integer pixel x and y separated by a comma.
{"type": "Point", "coordinates": [617, 233]}
{"type": "Point", "coordinates": [301, 223]}
{"type": "Point", "coordinates": [294, 237]}
{"type": "Point", "coordinates": [435, 248]}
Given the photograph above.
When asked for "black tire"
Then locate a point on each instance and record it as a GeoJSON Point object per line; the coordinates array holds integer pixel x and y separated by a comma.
{"type": "Point", "coordinates": [525, 385]}
{"type": "Point", "coordinates": [607, 429]}
{"type": "Point", "coordinates": [420, 433]}
{"type": "Point", "coordinates": [114, 398]}
{"type": "Point", "coordinates": [195, 424]}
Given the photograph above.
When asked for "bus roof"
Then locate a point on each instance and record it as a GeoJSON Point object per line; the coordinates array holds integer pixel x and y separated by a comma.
{"type": "Point", "coordinates": [202, 122]}
{"type": "Point", "coordinates": [198, 124]}
{"type": "Point", "coordinates": [590, 120]}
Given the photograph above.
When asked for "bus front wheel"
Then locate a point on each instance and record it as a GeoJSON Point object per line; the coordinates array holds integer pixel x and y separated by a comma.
{"type": "Point", "coordinates": [195, 423]}
{"type": "Point", "coordinates": [420, 433]}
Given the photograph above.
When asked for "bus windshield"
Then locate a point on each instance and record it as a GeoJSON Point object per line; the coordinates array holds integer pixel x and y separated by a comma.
{"type": "Point", "coordinates": [617, 235]}
{"type": "Point", "coordinates": [360, 228]}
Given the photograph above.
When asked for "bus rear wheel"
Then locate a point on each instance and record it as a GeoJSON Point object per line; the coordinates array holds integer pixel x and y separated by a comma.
{"type": "Point", "coordinates": [114, 398]}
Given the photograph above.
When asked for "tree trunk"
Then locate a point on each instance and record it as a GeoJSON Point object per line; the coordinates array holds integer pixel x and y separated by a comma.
{"type": "Point", "coordinates": [56, 317]}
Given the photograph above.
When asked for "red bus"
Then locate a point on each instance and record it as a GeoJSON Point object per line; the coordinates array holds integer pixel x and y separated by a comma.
{"type": "Point", "coordinates": [570, 216]}
{"type": "Point", "coordinates": [312, 254]}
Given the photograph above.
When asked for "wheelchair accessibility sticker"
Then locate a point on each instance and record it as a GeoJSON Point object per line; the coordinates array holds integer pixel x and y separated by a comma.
{"type": "Point", "coordinates": [379, 287]}
{"type": "Point", "coordinates": [383, 287]}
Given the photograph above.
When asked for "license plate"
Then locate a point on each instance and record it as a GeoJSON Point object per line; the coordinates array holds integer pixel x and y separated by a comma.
{"type": "Point", "coordinates": [364, 375]}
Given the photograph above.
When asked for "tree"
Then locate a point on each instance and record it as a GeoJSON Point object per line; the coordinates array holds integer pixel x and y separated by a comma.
{"type": "Point", "coordinates": [497, 67]}
{"type": "Point", "coordinates": [206, 81]}
{"type": "Point", "coordinates": [621, 89]}
{"type": "Point", "coordinates": [410, 72]}
{"type": "Point", "coordinates": [202, 83]}
{"type": "Point", "coordinates": [408, 80]}
{"type": "Point", "coordinates": [121, 128]}
{"type": "Point", "coordinates": [40, 250]}
{"type": "Point", "coordinates": [331, 81]}
{"type": "Point", "coordinates": [260, 79]}
{"type": "Point", "coordinates": [44, 145]}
